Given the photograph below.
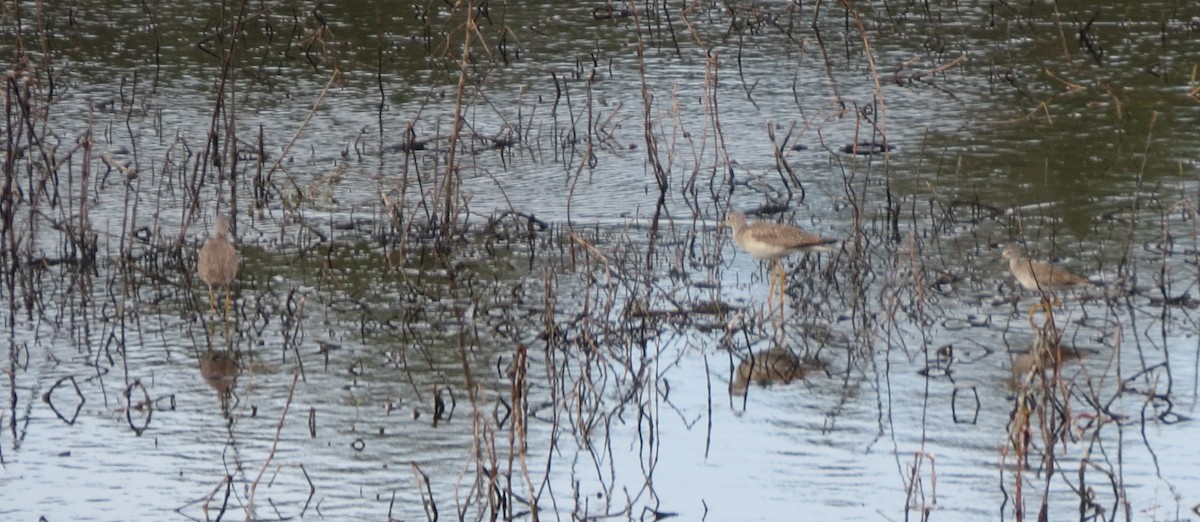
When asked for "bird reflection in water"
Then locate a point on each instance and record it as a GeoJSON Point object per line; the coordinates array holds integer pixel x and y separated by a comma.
{"type": "Point", "coordinates": [1046, 356]}
{"type": "Point", "coordinates": [220, 370]}
{"type": "Point", "coordinates": [776, 366]}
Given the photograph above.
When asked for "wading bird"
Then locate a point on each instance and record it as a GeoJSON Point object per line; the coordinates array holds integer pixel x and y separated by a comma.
{"type": "Point", "coordinates": [1040, 277]}
{"type": "Point", "coordinates": [218, 264]}
{"type": "Point", "coordinates": [774, 241]}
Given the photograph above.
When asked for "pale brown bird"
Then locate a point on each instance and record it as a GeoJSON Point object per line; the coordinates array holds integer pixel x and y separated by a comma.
{"type": "Point", "coordinates": [1038, 276]}
{"type": "Point", "coordinates": [774, 241]}
{"type": "Point", "coordinates": [218, 264]}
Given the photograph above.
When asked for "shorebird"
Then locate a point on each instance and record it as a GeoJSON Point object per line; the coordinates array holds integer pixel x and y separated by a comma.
{"type": "Point", "coordinates": [218, 264]}
{"type": "Point", "coordinates": [1037, 276]}
{"type": "Point", "coordinates": [774, 241]}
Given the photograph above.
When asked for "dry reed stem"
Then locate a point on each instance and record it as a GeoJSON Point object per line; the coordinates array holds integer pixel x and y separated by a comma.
{"type": "Point", "coordinates": [312, 111]}
{"type": "Point", "coordinates": [250, 514]}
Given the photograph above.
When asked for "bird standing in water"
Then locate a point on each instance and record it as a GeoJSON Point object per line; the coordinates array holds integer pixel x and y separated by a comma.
{"type": "Point", "coordinates": [1038, 276]}
{"type": "Point", "coordinates": [774, 241]}
{"type": "Point", "coordinates": [218, 264]}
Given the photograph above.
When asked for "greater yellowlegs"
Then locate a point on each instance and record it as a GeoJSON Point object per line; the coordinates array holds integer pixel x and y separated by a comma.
{"type": "Point", "coordinates": [774, 241]}
{"type": "Point", "coordinates": [1038, 276]}
{"type": "Point", "coordinates": [218, 264]}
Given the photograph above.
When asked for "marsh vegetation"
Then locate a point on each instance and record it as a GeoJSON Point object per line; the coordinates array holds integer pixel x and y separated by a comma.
{"type": "Point", "coordinates": [481, 273]}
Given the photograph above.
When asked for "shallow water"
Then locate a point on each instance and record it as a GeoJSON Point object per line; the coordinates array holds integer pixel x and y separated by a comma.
{"type": "Point", "coordinates": [347, 332]}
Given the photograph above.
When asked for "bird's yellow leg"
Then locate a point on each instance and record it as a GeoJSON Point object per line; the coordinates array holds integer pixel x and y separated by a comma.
{"type": "Point", "coordinates": [779, 281]}
{"type": "Point", "coordinates": [212, 300]}
{"type": "Point", "coordinates": [1043, 305]}
{"type": "Point", "coordinates": [1034, 309]}
{"type": "Point", "coordinates": [774, 279]}
{"type": "Point", "coordinates": [782, 297]}
{"type": "Point", "coordinates": [228, 306]}
{"type": "Point", "coordinates": [771, 288]}
{"type": "Point", "coordinates": [774, 283]}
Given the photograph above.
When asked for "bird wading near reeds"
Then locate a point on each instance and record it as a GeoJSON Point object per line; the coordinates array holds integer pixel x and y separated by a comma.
{"type": "Point", "coordinates": [774, 241]}
{"type": "Point", "coordinates": [1039, 276]}
{"type": "Point", "coordinates": [218, 263]}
